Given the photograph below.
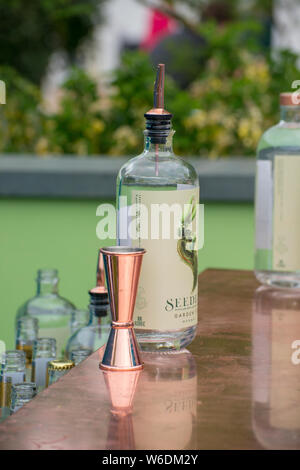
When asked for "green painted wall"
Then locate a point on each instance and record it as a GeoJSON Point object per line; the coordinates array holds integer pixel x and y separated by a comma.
{"type": "Point", "coordinates": [62, 234]}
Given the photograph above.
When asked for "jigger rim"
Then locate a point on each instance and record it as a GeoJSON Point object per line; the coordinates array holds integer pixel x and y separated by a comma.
{"type": "Point", "coordinates": [122, 250]}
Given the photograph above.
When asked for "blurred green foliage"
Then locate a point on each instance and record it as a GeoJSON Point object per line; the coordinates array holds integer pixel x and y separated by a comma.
{"type": "Point", "coordinates": [31, 31]}
{"type": "Point", "coordinates": [223, 112]}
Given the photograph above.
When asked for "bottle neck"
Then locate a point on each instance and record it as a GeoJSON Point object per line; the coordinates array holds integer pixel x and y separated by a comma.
{"type": "Point", "coordinates": [47, 282]}
{"type": "Point", "coordinates": [160, 149]}
{"type": "Point", "coordinates": [98, 308]}
{"type": "Point", "coordinates": [290, 114]}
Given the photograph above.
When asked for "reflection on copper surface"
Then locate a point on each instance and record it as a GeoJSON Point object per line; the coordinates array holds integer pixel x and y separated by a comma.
{"type": "Point", "coordinates": [166, 406]}
{"type": "Point", "coordinates": [276, 378]}
{"type": "Point", "coordinates": [122, 269]}
{"type": "Point", "coordinates": [121, 388]}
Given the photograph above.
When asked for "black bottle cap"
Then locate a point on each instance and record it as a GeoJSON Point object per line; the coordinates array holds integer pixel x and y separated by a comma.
{"type": "Point", "coordinates": [99, 303]}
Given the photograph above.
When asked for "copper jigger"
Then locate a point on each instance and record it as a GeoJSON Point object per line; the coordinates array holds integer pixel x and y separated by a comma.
{"type": "Point", "coordinates": [122, 268]}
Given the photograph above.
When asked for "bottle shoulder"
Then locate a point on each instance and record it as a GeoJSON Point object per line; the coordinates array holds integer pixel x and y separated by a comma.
{"type": "Point", "coordinates": [169, 168]}
{"type": "Point", "coordinates": [41, 304]}
{"type": "Point", "coordinates": [280, 135]}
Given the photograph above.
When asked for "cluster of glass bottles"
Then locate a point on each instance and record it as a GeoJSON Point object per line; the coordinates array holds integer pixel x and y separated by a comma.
{"type": "Point", "coordinates": [52, 336]}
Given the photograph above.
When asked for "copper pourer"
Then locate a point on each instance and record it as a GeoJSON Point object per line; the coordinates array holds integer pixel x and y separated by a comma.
{"type": "Point", "coordinates": [158, 93]}
{"type": "Point", "coordinates": [159, 87]}
{"type": "Point", "coordinates": [122, 269]}
{"type": "Point", "coordinates": [100, 276]}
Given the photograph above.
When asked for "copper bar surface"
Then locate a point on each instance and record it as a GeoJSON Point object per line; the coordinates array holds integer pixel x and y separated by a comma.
{"type": "Point", "coordinates": [236, 387]}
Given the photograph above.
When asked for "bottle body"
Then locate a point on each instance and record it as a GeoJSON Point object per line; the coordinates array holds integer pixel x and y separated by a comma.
{"type": "Point", "coordinates": [52, 311]}
{"type": "Point", "coordinates": [165, 315]}
{"type": "Point", "coordinates": [277, 250]}
{"type": "Point", "coordinates": [44, 351]}
{"type": "Point", "coordinates": [94, 335]}
{"type": "Point", "coordinates": [12, 371]}
{"type": "Point", "coordinates": [21, 394]}
{"type": "Point", "coordinates": [26, 334]}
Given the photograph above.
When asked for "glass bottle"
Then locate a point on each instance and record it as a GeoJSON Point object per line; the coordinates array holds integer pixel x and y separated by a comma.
{"type": "Point", "coordinates": [44, 351]}
{"type": "Point", "coordinates": [21, 394]}
{"type": "Point", "coordinates": [27, 331]}
{"type": "Point", "coordinates": [58, 368]}
{"type": "Point", "coordinates": [95, 334]}
{"type": "Point", "coordinates": [165, 314]}
{"type": "Point", "coordinates": [12, 371]}
{"type": "Point", "coordinates": [52, 311]}
{"type": "Point", "coordinates": [79, 355]}
{"type": "Point", "coordinates": [277, 255]}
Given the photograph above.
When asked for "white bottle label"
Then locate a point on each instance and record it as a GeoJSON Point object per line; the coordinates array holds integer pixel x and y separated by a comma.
{"type": "Point", "coordinates": [286, 223]}
{"type": "Point", "coordinates": [168, 288]}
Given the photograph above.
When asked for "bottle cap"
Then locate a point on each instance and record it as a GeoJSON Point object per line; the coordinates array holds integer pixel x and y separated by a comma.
{"type": "Point", "coordinates": [289, 99]}
{"type": "Point", "coordinates": [60, 365]}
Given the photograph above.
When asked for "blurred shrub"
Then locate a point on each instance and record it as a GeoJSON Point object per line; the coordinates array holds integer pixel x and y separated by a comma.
{"type": "Point", "coordinates": [31, 31]}
{"type": "Point", "coordinates": [223, 112]}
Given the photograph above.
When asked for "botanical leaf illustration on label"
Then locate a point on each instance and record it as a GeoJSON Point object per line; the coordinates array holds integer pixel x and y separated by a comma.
{"type": "Point", "coordinates": [186, 244]}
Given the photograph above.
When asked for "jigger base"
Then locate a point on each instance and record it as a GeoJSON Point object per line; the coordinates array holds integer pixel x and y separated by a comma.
{"type": "Point", "coordinates": [121, 352]}
{"type": "Point", "coordinates": [103, 367]}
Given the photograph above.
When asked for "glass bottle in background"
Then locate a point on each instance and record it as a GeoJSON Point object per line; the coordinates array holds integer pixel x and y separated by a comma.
{"type": "Point", "coordinates": [95, 334]}
{"type": "Point", "coordinates": [12, 371]}
{"type": "Point", "coordinates": [56, 369]}
{"type": "Point", "coordinates": [79, 318]}
{"type": "Point", "coordinates": [277, 255]}
{"type": "Point", "coordinates": [44, 351]}
{"type": "Point", "coordinates": [52, 311]}
{"type": "Point", "coordinates": [79, 355]}
{"type": "Point", "coordinates": [165, 315]}
{"type": "Point", "coordinates": [27, 332]}
{"type": "Point", "coordinates": [21, 394]}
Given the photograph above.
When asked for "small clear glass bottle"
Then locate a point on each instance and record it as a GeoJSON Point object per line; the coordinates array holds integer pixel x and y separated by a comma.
{"type": "Point", "coordinates": [277, 254]}
{"type": "Point", "coordinates": [56, 369]}
{"type": "Point", "coordinates": [44, 351]}
{"type": "Point", "coordinates": [165, 315]}
{"type": "Point", "coordinates": [52, 311]}
{"type": "Point", "coordinates": [12, 371]}
{"type": "Point", "coordinates": [95, 334]}
{"type": "Point", "coordinates": [21, 394]}
{"type": "Point", "coordinates": [79, 355]}
{"type": "Point", "coordinates": [27, 332]}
